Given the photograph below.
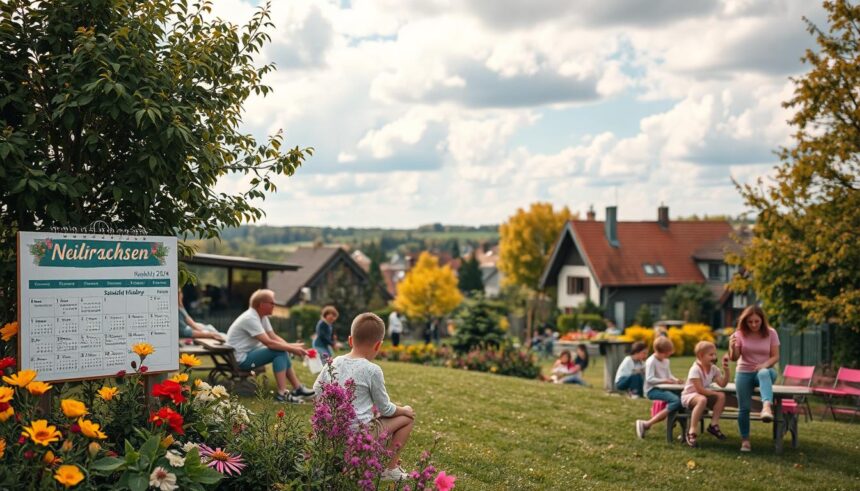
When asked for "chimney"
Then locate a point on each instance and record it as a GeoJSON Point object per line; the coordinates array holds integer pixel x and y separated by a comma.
{"type": "Point", "coordinates": [612, 225]}
{"type": "Point", "coordinates": [663, 216]}
{"type": "Point", "coordinates": [590, 215]}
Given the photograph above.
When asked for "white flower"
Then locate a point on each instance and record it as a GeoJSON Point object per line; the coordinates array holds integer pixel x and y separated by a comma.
{"type": "Point", "coordinates": [219, 391]}
{"type": "Point", "coordinates": [163, 480]}
{"type": "Point", "coordinates": [204, 396]}
{"type": "Point", "coordinates": [204, 386]}
{"type": "Point", "coordinates": [175, 459]}
{"type": "Point", "coordinates": [188, 446]}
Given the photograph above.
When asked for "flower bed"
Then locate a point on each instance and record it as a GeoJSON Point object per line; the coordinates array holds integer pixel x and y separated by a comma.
{"type": "Point", "coordinates": [504, 360]}
{"type": "Point", "coordinates": [107, 434]}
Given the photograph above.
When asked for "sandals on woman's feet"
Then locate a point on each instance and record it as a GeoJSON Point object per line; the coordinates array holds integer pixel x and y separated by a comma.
{"type": "Point", "coordinates": [692, 440]}
{"type": "Point", "coordinates": [715, 430]}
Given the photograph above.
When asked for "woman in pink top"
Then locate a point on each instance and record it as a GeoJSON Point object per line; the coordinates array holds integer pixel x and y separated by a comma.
{"type": "Point", "coordinates": [755, 346]}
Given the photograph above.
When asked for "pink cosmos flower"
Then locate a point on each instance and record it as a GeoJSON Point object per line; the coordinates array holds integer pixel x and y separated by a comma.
{"type": "Point", "coordinates": [444, 482]}
{"type": "Point", "coordinates": [223, 462]}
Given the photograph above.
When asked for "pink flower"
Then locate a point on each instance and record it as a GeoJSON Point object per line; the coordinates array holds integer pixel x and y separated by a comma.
{"type": "Point", "coordinates": [444, 482]}
{"type": "Point", "coordinates": [222, 461]}
{"type": "Point", "coordinates": [49, 243]}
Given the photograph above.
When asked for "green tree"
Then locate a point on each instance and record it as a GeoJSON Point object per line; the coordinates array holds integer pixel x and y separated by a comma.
{"type": "Point", "coordinates": [691, 302]}
{"type": "Point", "coordinates": [478, 324]}
{"type": "Point", "coordinates": [128, 112]}
{"type": "Point", "coordinates": [471, 279]}
{"type": "Point", "coordinates": [803, 260]}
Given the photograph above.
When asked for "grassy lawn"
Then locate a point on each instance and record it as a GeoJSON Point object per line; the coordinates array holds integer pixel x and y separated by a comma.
{"type": "Point", "coordinates": [509, 433]}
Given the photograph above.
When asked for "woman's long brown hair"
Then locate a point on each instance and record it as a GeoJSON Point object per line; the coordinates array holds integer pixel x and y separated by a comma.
{"type": "Point", "coordinates": [748, 312]}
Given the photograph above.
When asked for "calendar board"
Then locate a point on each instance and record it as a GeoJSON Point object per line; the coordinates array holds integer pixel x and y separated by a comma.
{"type": "Point", "coordinates": [85, 299]}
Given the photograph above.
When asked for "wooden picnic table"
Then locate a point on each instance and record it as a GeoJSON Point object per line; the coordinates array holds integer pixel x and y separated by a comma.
{"type": "Point", "coordinates": [782, 422]}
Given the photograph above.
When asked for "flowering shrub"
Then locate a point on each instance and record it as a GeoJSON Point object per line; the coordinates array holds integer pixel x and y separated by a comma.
{"type": "Point", "coordinates": [687, 336]}
{"type": "Point", "coordinates": [503, 360]}
{"type": "Point", "coordinates": [639, 333]}
{"type": "Point", "coordinates": [342, 453]}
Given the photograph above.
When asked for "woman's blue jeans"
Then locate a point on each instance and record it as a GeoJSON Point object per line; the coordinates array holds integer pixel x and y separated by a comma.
{"type": "Point", "coordinates": [280, 360]}
{"type": "Point", "coordinates": [745, 383]}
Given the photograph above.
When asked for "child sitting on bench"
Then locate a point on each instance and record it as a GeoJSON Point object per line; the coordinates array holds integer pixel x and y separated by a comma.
{"type": "Point", "coordinates": [697, 396]}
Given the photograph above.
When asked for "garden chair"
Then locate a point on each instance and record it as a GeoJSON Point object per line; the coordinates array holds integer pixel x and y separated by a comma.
{"type": "Point", "coordinates": [801, 376]}
{"type": "Point", "coordinates": [845, 387]}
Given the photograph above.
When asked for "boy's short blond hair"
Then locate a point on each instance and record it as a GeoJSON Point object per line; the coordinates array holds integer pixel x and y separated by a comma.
{"type": "Point", "coordinates": [703, 346]}
{"type": "Point", "coordinates": [663, 345]}
{"type": "Point", "coordinates": [367, 329]}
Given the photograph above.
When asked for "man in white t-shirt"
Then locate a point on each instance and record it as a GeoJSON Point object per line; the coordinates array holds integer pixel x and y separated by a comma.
{"type": "Point", "coordinates": [395, 327]}
{"type": "Point", "coordinates": [257, 345]}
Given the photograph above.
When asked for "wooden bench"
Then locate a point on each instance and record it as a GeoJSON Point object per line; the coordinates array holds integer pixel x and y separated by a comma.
{"type": "Point", "coordinates": [224, 369]}
{"type": "Point", "coordinates": [783, 422]}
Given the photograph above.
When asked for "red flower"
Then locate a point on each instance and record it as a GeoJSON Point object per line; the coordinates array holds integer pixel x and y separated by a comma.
{"type": "Point", "coordinates": [312, 353]}
{"type": "Point", "coordinates": [169, 417]}
{"type": "Point", "coordinates": [111, 453]}
{"type": "Point", "coordinates": [22, 440]}
{"type": "Point", "coordinates": [120, 374]}
{"type": "Point", "coordinates": [75, 428]}
{"type": "Point", "coordinates": [49, 243]}
{"type": "Point", "coordinates": [170, 389]}
{"type": "Point", "coordinates": [281, 414]}
{"type": "Point", "coordinates": [28, 454]}
{"type": "Point", "coordinates": [4, 406]}
{"type": "Point", "coordinates": [143, 368]}
{"type": "Point", "coordinates": [6, 363]}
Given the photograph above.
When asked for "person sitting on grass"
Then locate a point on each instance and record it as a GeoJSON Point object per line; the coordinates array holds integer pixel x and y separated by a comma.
{"type": "Point", "coordinates": [657, 372]}
{"type": "Point", "coordinates": [565, 372]}
{"type": "Point", "coordinates": [366, 335]}
{"type": "Point", "coordinates": [697, 396]}
{"type": "Point", "coordinates": [631, 373]}
{"type": "Point", "coordinates": [562, 367]}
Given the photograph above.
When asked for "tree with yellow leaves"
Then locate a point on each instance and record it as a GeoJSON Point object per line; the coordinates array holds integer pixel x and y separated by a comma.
{"type": "Point", "coordinates": [525, 244]}
{"type": "Point", "coordinates": [428, 290]}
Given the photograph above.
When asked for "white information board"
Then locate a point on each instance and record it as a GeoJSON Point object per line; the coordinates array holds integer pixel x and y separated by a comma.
{"type": "Point", "coordinates": [86, 299]}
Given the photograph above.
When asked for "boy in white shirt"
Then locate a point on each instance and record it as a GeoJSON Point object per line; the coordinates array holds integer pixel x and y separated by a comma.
{"type": "Point", "coordinates": [631, 373]}
{"type": "Point", "coordinates": [366, 335]}
{"type": "Point", "coordinates": [657, 372]}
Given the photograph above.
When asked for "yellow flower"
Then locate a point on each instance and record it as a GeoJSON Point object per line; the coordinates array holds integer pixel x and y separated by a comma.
{"type": "Point", "coordinates": [73, 408]}
{"type": "Point", "coordinates": [69, 475]}
{"type": "Point", "coordinates": [41, 432]}
{"type": "Point", "coordinates": [9, 331]}
{"type": "Point", "coordinates": [2, 447]}
{"type": "Point", "coordinates": [21, 379]}
{"type": "Point", "coordinates": [6, 393]}
{"type": "Point", "coordinates": [93, 449]}
{"type": "Point", "coordinates": [90, 429]}
{"type": "Point", "coordinates": [66, 447]}
{"type": "Point", "coordinates": [8, 413]}
{"type": "Point", "coordinates": [167, 441]}
{"type": "Point", "coordinates": [143, 349]}
{"type": "Point", "coordinates": [108, 393]}
{"type": "Point", "coordinates": [38, 388]}
{"type": "Point", "coordinates": [180, 378]}
{"type": "Point", "coordinates": [50, 459]}
{"type": "Point", "coordinates": [189, 360]}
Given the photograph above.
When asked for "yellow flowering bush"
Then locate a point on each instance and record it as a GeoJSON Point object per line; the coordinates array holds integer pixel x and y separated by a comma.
{"type": "Point", "coordinates": [677, 338]}
{"type": "Point", "coordinates": [638, 333]}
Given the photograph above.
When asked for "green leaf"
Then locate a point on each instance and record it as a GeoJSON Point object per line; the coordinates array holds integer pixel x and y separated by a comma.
{"type": "Point", "coordinates": [138, 482]}
{"type": "Point", "coordinates": [150, 448]}
{"type": "Point", "coordinates": [107, 464]}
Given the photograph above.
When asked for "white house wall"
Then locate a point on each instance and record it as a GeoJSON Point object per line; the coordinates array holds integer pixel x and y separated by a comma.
{"type": "Point", "coordinates": [572, 301]}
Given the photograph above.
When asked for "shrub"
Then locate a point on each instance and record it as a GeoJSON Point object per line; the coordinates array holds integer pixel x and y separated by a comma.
{"type": "Point", "coordinates": [639, 333]}
{"type": "Point", "coordinates": [305, 318]}
{"type": "Point", "coordinates": [644, 316]}
{"type": "Point", "coordinates": [693, 333]}
{"type": "Point", "coordinates": [566, 323]}
{"type": "Point", "coordinates": [596, 321]}
{"type": "Point", "coordinates": [478, 324]}
{"type": "Point", "coordinates": [677, 338]}
{"type": "Point", "coordinates": [505, 360]}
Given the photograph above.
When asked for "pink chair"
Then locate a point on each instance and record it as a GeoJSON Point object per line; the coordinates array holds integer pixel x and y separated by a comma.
{"type": "Point", "coordinates": [846, 386]}
{"type": "Point", "coordinates": [657, 406]}
{"type": "Point", "coordinates": [801, 376]}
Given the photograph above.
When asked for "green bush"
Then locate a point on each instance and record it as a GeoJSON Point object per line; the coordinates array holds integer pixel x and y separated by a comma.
{"type": "Point", "coordinates": [504, 360]}
{"type": "Point", "coordinates": [644, 317]}
{"type": "Point", "coordinates": [478, 324]}
{"type": "Point", "coordinates": [566, 323]}
{"type": "Point", "coordinates": [594, 320]}
{"type": "Point", "coordinates": [305, 318]}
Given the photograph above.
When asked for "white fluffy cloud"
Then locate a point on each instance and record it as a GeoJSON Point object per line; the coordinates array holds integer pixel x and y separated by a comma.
{"type": "Point", "coordinates": [459, 112]}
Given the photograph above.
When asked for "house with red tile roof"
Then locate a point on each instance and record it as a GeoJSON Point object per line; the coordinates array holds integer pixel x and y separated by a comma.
{"type": "Point", "coordinates": [624, 265]}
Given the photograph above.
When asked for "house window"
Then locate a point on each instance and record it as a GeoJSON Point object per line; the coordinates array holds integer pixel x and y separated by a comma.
{"type": "Point", "coordinates": [739, 301]}
{"type": "Point", "coordinates": [577, 285]}
{"type": "Point", "coordinates": [715, 272]}
{"type": "Point", "coordinates": [660, 269]}
{"type": "Point", "coordinates": [649, 269]}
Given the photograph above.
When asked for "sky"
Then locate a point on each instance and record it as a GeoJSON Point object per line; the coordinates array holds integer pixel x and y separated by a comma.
{"type": "Point", "coordinates": [462, 111]}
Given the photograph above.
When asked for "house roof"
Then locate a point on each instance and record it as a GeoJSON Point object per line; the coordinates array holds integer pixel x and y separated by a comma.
{"type": "Point", "coordinates": [643, 243]}
{"type": "Point", "coordinates": [314, 261]}
{"type": "Point", "coordinates": [203, 259]}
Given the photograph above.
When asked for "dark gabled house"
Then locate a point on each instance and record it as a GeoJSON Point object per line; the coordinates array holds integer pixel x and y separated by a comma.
{"type": "Point", "coordinates": [624, 265]}
{"type": "Point", "coordinates": [325, 272]}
